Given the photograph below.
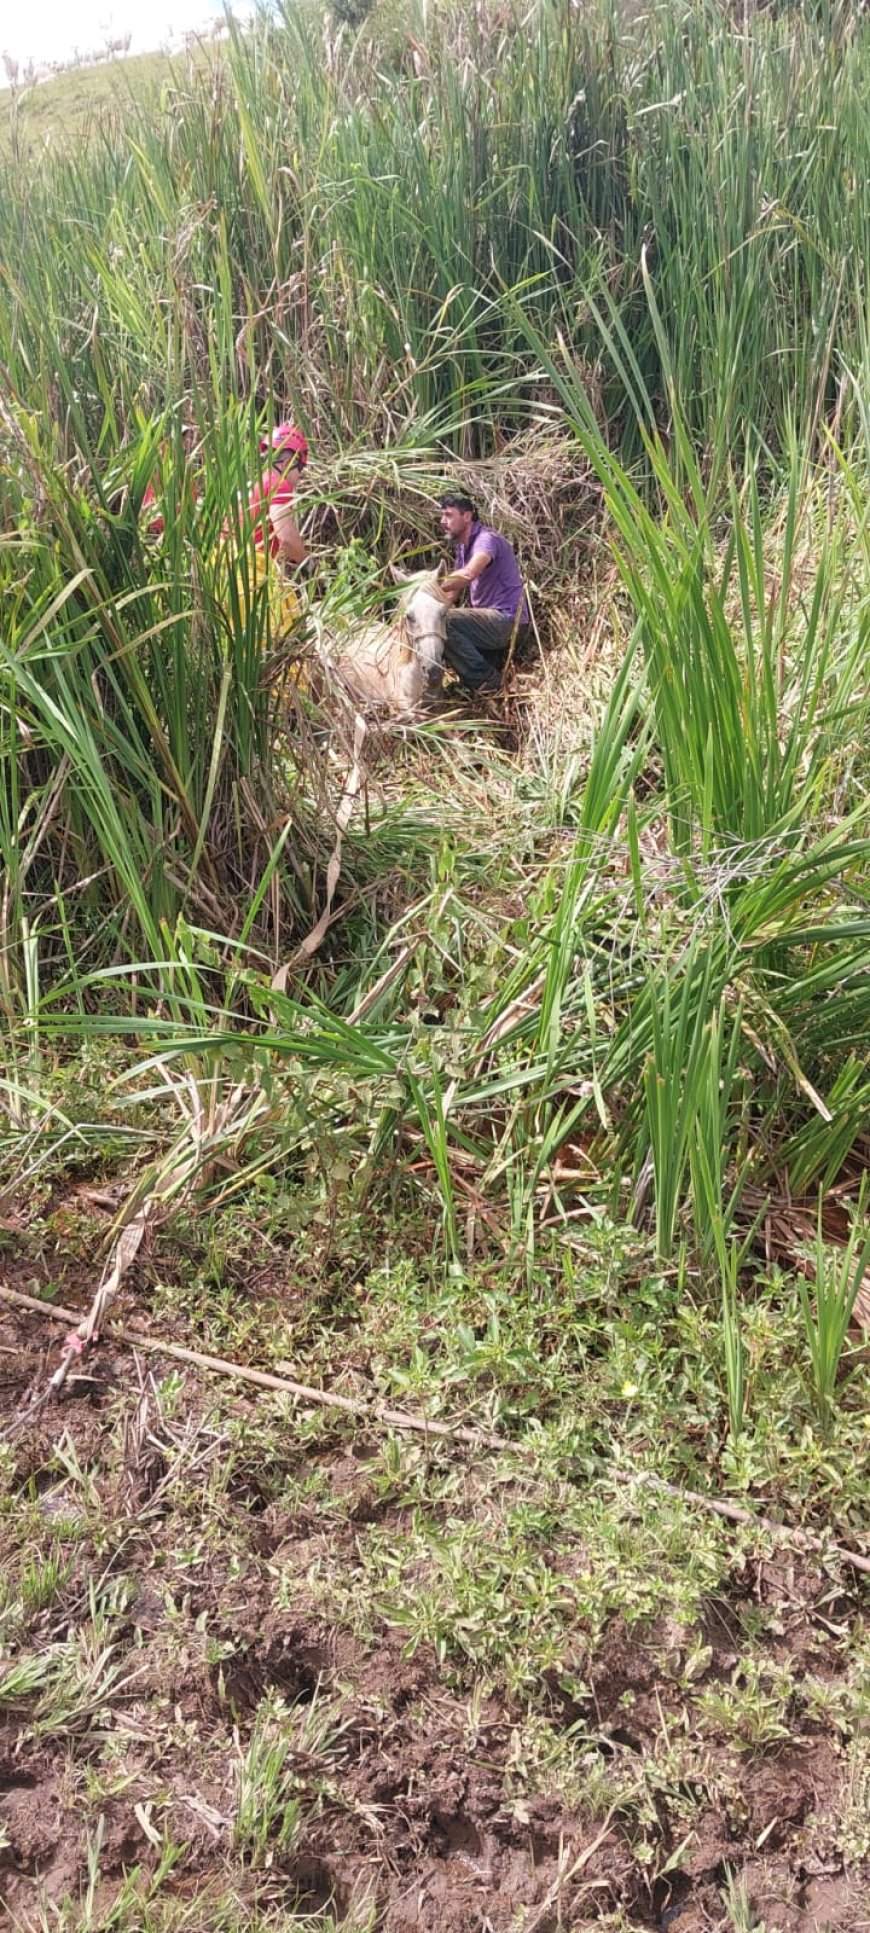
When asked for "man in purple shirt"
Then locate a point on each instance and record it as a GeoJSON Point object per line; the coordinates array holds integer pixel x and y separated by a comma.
{"type": "Point", "coordinates": [479, 636]}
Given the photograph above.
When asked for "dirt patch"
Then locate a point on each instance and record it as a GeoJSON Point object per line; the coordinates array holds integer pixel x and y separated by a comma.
{"type": "Point", "coordinates": [30, 1803]}
{"type": "Point", "coordinates": [291, 1667]}
{"type": "Point", "coordinates": [404, 1792]}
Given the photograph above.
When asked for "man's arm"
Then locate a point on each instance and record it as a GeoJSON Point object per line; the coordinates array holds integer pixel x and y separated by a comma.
{"type": "Point", "coordinates": [453, 585]}
{"type": "Point", "coordinates": [283, 523]}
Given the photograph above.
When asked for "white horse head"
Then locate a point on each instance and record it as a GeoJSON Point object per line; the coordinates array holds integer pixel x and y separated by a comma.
{"type": "Point", "coordinates": [423, 619]}
{"type": "Point", "coordinates": [390, 664]}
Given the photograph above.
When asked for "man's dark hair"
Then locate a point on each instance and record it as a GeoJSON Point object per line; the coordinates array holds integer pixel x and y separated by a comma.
{"type": "Point", "coordinates": [457, 500]}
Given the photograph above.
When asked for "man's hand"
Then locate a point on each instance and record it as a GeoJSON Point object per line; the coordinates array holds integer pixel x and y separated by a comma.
{"type": "Point", "coordinates": [293, 548]}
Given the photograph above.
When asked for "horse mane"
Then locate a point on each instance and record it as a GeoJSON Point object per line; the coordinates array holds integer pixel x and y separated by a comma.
{"type": "Point", "coordinates": [427, 581]}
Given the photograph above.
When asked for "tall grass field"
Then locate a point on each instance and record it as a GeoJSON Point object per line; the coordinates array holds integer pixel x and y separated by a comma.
{"type": "Point", "coordinates": [494, 1083]}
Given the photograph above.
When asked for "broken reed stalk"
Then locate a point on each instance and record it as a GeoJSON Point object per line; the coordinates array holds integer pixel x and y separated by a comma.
{"type": "Point", "coordinates": [450, 1432]}
{"type": "Point", "coordinates": [282, 1385]}
{"type": "Point", "coordinates": [734, 1513]}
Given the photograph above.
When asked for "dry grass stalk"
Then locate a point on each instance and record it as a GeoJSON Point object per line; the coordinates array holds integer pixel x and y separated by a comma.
{"type": "Point", "coordinates": [373, 1413]}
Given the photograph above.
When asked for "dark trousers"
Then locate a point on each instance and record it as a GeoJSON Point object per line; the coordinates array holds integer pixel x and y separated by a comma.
{"type": "Point", "coordinates": [477, 646]}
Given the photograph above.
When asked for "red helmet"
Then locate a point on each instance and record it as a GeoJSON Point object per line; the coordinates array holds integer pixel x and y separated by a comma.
{"type": "Point", "coordinates": [285, 437]}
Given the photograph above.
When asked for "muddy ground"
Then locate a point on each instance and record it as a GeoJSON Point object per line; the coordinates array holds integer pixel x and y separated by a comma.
{"type": "Point", "coordinates": [414, 1808]}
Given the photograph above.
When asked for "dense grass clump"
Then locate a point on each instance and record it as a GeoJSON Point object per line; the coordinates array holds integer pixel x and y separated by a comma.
{"type": "Point", "coordinates": [346, 212]}
{"type": "Point", "coordinates": [628, 243]}
{"type": "Point", "coordinates": [501, 1071]}
{"type": "Point", "coordinates": [504, 1072]}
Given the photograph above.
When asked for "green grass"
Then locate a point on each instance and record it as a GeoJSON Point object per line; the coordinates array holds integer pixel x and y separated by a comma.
{"type": "Point", "coordinates": [259, 1607]}
{"type": "Point", "coordinates": [538, 1139]}
{"type": "Point", "coordinates": [80, 102]}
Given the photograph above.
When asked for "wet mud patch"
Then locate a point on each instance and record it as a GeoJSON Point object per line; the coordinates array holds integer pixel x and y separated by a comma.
{"type": "Point", "coordinates": [292, 1670]}
{"type": "Point", "coordinates": [400, 1782]}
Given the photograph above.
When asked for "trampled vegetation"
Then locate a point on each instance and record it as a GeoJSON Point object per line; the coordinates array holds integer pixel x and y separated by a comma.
{"type": "Point", "coordinates": [558, 1134]}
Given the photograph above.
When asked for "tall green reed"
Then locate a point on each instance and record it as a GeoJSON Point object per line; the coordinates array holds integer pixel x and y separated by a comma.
{"type": "Point", "coordinates": [345, 212]}
{"type": "Point", "coordinates": [839, 1275]}
{"type": "Point", "coordinates": [414, 241]}
{"type": "Point", "coordinates": [734, 1348]}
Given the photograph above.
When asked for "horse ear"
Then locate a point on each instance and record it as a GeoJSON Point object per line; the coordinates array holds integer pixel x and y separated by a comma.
{"type": "Point", "coordinates": [442, 568]}
{"type": "Point", "coordinates": [400, 577]}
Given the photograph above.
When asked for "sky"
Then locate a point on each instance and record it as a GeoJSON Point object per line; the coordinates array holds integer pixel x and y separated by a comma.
{"type": "Point", "coordinates": [43, 30]}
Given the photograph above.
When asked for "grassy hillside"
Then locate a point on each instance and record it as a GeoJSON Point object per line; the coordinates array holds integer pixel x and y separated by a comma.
{"type": "Point", "coordinates": [492, 1083]}
{"type": "Point", "coordinates": [80, 102]}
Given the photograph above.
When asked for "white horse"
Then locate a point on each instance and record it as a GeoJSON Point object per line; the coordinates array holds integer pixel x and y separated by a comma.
{"type": "Point", "coordinates": [391, 665]}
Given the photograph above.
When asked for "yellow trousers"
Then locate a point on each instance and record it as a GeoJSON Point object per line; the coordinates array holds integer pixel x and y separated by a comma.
{"type": "Point", "coordinates": [251, 573]}
{"type": "Point", "coordinates": [284, 606]}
